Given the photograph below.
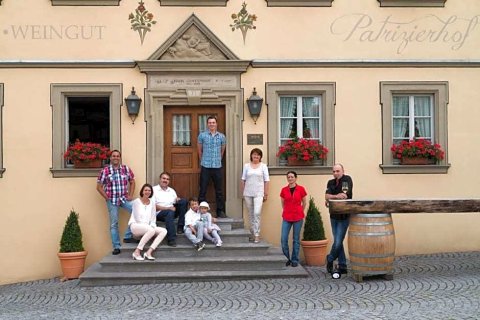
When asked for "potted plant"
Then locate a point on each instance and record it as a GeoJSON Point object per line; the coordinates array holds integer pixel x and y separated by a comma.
{"type": "Point", "coordinates": [417, 151]}
{"type": "Point", "coordinates": [301, 151]}
{"type": "Point", "coordinates": [72, 255]}
{"type": "Point", "coordinates": [314, 242]}
{"type": "Point", "coordinates": [86, 154]}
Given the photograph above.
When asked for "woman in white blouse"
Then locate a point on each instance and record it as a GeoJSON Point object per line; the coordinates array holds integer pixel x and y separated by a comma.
{"type": "Point", "coordinates": [255, 180]}
{"type": "Point", "coordinates": [143, 223]}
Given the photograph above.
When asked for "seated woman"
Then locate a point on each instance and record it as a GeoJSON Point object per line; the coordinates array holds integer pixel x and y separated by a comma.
{"type": "Point", "coordinates": [143, 223]}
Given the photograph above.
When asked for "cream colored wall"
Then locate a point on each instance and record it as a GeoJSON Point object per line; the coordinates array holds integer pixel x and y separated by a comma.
{"type": "Point", "coordinates": [35, 205]}
{"type": "Point", "coordinates": [281, 33]}
{"type": "Point", "coordinates": [360, 151]}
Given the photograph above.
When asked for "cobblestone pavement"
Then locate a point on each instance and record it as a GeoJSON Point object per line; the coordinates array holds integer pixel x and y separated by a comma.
{"type": "Point", "coordinates": [438, 286]}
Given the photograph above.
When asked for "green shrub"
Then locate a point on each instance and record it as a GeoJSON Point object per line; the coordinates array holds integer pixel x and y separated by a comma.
{"type": "Point", "coordinates": [313, 229]}
{"type": "Point", "coordinates": [72, 235]}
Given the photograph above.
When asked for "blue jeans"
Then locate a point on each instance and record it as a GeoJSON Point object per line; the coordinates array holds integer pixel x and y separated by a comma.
{"type": "Point", "coordinates": [215, 174]}
{"type": "Point", "coordinates": [168, 216]}
{"type": "Point", "coordinates": [339, 230]}
{"type": "Point", "coordinates": [180, 211]}
{"type": "Point", "coordinates": [113, 215]}
{"type": "Point", "coordinates": [297, 227]}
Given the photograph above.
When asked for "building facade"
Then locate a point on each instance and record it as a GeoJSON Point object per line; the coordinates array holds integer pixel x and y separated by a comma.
{"type": "Point", "coordinates": [356, 76]}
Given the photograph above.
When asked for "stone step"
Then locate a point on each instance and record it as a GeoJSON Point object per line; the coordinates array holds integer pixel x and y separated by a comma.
{"type": "Point", "coordinates": [186, 250]}
{"type": "Point", "coordinates": [233, 236]}
{"type": "Point", "coordinates": [226, 224]}
{"type": "Point", "coordinates": [194, 264]}
{"type": "Point", "coordinates": [94, 277]}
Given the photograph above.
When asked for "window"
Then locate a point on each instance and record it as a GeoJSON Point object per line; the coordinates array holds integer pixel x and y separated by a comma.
{"type": "Point", "coordinates": [196, 3]}
{"type": "Point", "coordinates": [413, 110]}
{"type": "Point", "coordinates": [412, 3]}
{"type": "Point", "coordinates": [305, 110]}
{"type": "Point", "coordinates": [85, 2]}
{"type": "Point", "coordinates": [88, 112]}
{"type": "Point", "coordinates": [299, 3]}
{"type": "Point", "coordinates": [2, 169]}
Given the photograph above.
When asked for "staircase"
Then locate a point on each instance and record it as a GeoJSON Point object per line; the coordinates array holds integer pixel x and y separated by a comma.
{"type": "Point", "coordinates": [236, 259]}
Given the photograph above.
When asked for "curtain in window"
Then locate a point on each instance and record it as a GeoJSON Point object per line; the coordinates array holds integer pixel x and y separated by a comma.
{"type": "Point", "coordinates": [311, 117]}
{"type": "Point", "coordinates": [400, 118]}
{"type": "Point", "coordinates": [423, 117]}
{"type": "Point", "coordinates": [181, 130]}
{"type": "Point", "coordinates": [288, 114]}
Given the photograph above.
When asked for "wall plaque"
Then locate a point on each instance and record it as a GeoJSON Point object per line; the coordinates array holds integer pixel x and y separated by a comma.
{"type": "Point", "coordinates": [255, 139]}
{"type": "Point", "coordinates": [192, 81]}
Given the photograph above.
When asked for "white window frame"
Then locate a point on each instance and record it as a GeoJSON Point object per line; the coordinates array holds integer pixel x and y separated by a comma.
{"type": "Point", "coordinates": [59, 94]}
{"type": "Point", "coordinates": [439, 92]}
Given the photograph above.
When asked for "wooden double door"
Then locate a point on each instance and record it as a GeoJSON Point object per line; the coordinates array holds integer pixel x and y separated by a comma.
{"type": "Point", "coordinates": [182, 124]}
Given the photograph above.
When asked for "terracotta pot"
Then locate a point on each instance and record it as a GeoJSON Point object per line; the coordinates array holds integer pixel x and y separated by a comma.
{"type": "Point", "coordinates": [315, 252]}
{"type": "Point", "coordinates": [292, 161]}
{"type": "Point", "coordinates": [73, 264]}
{"type": "Point", "coordinates": [416, 161]}
{"type": "Point", "coordinates": [97, 163]}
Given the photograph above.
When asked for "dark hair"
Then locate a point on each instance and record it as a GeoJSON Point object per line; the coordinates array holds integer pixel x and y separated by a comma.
{"type": "Point", "coordinates": [257, 151]}
{"type": "Point", "coordinates": [115, 150]}
{"type": "Point", "coordinates": [164, 173]}
{"type": "Point", "coordinates": [292, 172]}
{"type": "Point", "coordinates": [212, 117]}
{"type": "Point", "coordinates": [192, 199]}
{"type": "Point", "coordinates": [143, 188]}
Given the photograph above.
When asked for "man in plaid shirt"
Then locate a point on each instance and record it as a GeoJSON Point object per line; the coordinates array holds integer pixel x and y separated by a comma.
{"type": "Point", "coordinates": [116, 185]}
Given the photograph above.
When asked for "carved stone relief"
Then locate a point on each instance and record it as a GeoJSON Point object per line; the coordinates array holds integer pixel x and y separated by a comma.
{"type": "Point", "coordinates": [193, 45]}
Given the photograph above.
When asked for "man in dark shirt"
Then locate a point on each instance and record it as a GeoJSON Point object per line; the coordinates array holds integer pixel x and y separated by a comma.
{"type": "Point", "coordinates": [341, 187]}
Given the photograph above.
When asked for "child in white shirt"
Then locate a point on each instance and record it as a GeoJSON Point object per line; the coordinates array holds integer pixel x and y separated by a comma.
{"type": "Point", "coordinates": [194, 226]}
{"type": "Point", "coordinates": [211, 230]}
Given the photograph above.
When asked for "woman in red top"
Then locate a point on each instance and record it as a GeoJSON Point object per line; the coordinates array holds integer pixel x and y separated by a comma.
{"type": "Point", "coordinates": [293, 203]}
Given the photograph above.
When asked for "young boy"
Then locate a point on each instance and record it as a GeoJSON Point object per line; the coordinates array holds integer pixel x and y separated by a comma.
{"type": "Point", "coordinates": [194, 226]}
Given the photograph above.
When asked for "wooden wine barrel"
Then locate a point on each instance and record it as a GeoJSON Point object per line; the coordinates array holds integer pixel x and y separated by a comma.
{"type": "Point", "coordinates": [371, 245]}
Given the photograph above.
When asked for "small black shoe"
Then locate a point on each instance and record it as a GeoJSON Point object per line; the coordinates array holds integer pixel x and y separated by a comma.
{"type": "Point", "coordinates": [288, 263]}
{"type": "Point", "coordinates": [294, 264]}
{"type": "Point", "coordinates": [329, 266]}
{"type": "Point", "coordinates": [172, 243]}
{"type": "Point", "coordinates": [221, 214]}
{"type": "Point", "coordinates": [131, 240]}
{"type": "Point", "coordinates": [116, 251]}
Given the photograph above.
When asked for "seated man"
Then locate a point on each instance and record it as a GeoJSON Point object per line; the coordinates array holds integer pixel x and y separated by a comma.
{"type": "Point", "coordinates": [169, 206]}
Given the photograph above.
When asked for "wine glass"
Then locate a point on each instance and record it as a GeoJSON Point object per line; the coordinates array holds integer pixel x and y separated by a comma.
{"type": "Point", "coordinates": [345, 187]}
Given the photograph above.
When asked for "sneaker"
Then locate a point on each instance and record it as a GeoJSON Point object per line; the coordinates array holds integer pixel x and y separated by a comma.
{"type": "Point", "coordinates": [116, 251]}
{"type": "Point", "coordinates": [257, 239]}
{"type": "Point", "coordinates": [218, 244]}
{"type": "Point", "coordinates": [329, 266]}
{"type": "Point", "coordinates": [288, 263]}
{"type": "Point", "coordinates": [294, 264]}
{"type": "Point", "coordinates": [342, 270]}
{"type": "Point", "coordinates": [131, 240]}
{"type": "Point", "coordinates": [172, 243]}
{"type": "Point", "coordinates": [200, 246]}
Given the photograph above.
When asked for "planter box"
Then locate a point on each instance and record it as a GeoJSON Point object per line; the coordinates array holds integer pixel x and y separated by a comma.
{"type": "Point", "coordinates": [295, 162]}
{"type": "Point", "coordinates": [88, 164]}
{"type": "Point", "coordinates": [416, 161]}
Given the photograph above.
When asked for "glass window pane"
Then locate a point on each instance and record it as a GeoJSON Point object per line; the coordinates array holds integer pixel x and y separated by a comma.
{"type": "Point", "coordinates": [286, 127]}
{"type": "Point", "coordinates": [422, 106]}
{"type": "Point", "coordinates": [288, 107]}
{"type": "Point", "coordinates": [311, 106]}
{"type": "Point", "coordinates": [400, 128]}
{"type": "Point", "coordinates": [181, 135]}
{"type": "Point", "coordinates": [423, 128]}
{"type": "Point", "coordinates": [311, 128]}
{"type": "Point", "coordinates": [400, 106]}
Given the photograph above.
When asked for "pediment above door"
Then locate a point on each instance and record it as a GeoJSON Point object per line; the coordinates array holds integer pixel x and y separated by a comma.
{"type": "Point", "coordinates": [193, 47]}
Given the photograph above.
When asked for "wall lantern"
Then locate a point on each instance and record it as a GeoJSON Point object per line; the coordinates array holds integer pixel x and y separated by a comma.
{"type": "Point", "coordinates": [254, 105]}
{"type": "Point", "coordinates": [133, 103]}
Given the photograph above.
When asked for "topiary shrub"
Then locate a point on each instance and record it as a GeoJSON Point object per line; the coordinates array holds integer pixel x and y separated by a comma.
{"type": "Point", "coordinates": [313, 229]}
{"type": "Point", "coordinates": [72, 235]}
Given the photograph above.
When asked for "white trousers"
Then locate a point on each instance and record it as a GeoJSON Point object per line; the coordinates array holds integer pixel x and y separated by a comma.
{"type": "Point", "coordinates": [254, 206]}
{"type": "Point", "coordinates": [147, 232]}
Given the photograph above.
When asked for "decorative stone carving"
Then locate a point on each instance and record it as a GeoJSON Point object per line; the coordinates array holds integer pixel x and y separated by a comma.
{"type": "Point", "coordinates": [193, 45]}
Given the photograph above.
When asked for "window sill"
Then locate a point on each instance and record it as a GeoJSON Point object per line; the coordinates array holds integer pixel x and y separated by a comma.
{"type": "Point", "coordinates": [71, 172]}
{"type": "Point", "coordinates": [412, 3]}
{"type": "Point", "coordinates": [85, 2]}
{"type": "Point", "coordinates": [304, 170]}
{"type": "Point", "coordinates": [299, 3]}
{"type": "Point", "coordinates": [194, 3]}
{"type": "Point", "coordinates": [414, 169]}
